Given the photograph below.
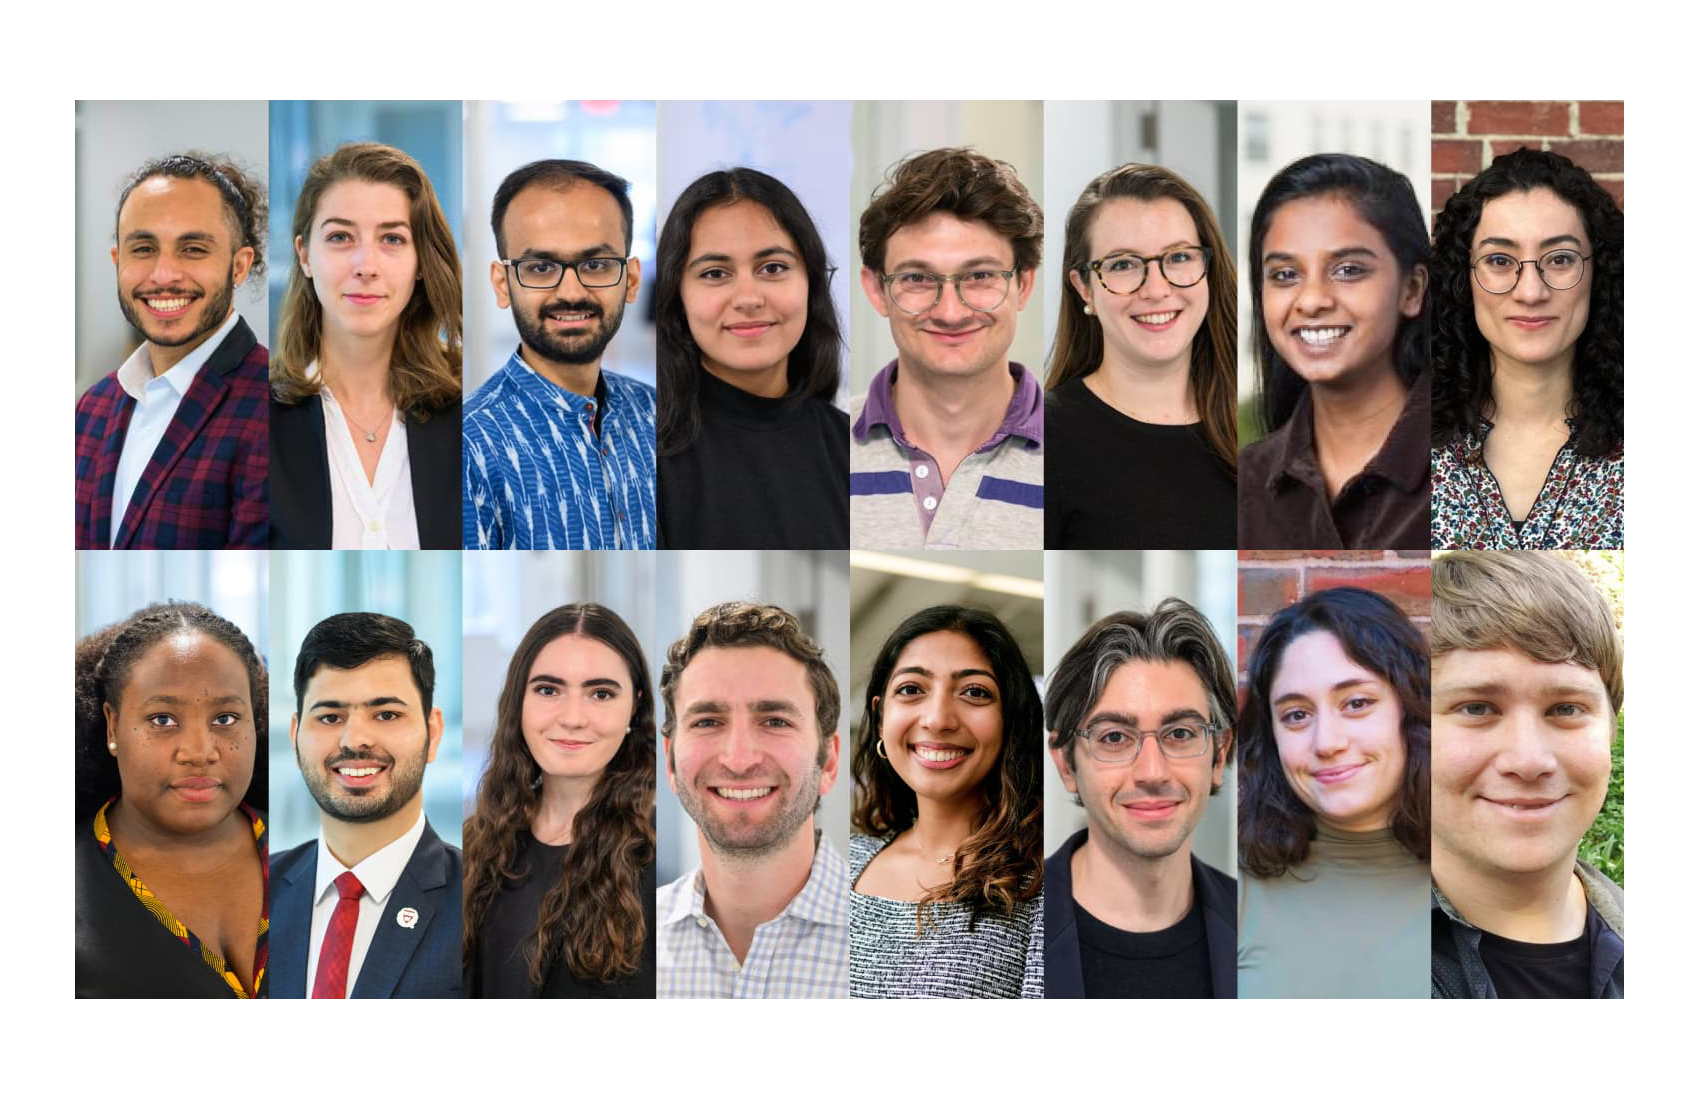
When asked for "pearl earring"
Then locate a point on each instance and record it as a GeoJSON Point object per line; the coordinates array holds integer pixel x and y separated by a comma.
{"type": "Point", "coordinates": [1087, 309]}
{"type": "Point", "coordinates": [112, 746]}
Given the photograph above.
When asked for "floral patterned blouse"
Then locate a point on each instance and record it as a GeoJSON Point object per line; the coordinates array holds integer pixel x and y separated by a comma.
{"type": "Point", "coordinates": [1580, 507]}
{"type": "Point", "coordinates": [209, 954]}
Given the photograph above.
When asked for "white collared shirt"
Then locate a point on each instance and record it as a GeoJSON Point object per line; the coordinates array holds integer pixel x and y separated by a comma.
{"type": "Point", "coordinates": [157, 400]}
{"type": "Point", "coordinates": [378, 873]}
{"type": "Point", "coordinates": [368, 515]}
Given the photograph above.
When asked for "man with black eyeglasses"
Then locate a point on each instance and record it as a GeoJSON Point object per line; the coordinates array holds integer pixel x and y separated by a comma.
{"type": "Point", "coordinates": [557, 453]}
{"type": "Point", "coordinates": [947, 446]}
{"type": "Point", "coordinates": [1139, 713]}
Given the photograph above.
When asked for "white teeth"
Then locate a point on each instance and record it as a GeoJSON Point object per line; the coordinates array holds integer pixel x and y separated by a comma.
{"type": "Point", "coordinates": [358, 773]}
{"type": "Point", "coordinates": [1157, 318]}
{"type": "Point", "coordinates": [167, 305]}
{"type": "Point", "coordinates": [1317, 337]}
{"type": "Point", "coordinates": [571, 316]}
{"type": "Point", "coordinates": [939, 756]}
{"type": "Point", "coordinates": [742, 794]}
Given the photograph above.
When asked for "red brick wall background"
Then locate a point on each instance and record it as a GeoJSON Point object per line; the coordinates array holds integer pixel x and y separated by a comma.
{"type": "Point", "coordinates": [1272, 579]}
{"type": "Point", "coordinates": [1469, 133]}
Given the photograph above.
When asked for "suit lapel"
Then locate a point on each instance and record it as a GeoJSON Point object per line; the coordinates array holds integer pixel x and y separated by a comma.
{"type": "Point", "coordinates": [1221, 933]}
{"type": "Point", "coordinates": [292, 911]}
{"type": "Point", "coordinates": [106, 468]}
{"type": "Point", "coordinates": [420, 888]}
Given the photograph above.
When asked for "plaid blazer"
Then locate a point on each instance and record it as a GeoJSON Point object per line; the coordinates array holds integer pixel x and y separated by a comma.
{"type": "Point", "coordinates": [205, 486]}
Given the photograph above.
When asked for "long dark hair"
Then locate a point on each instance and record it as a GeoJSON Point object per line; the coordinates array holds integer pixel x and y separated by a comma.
{"type": "Point", "coordinates": [1384, 199]}
{"type": "Point", "coordinates": [1000, 865]}
{"type": "Point", "coordinates": [1079, 344]}
{"type": "Point", "coordinates": [812, 370]}
{"type": "Point", "coordinates": [1463, 363]}
{"type": "Point", "coordinates": [103, 664]}
{"type": "Point", "coordinates": [592, 917]}
{"type": "Point", "coordinates": [1276, 828]}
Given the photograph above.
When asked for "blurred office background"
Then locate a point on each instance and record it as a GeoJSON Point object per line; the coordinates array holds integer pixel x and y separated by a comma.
{"type": "Point", "coordinates": [113, 140]}
{"type": "Point", "coordinates": [616, 135]}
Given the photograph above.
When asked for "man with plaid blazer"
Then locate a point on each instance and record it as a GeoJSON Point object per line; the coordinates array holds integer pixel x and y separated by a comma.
{"type": "Point", "coordinates": [172, 447]}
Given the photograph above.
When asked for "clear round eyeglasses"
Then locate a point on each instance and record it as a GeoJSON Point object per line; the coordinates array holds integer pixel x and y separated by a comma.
{"type": "Point", "coordinates": [1560, 269]}
{"type": "Point", "coordinates": [1124, 273]}
{"type": "Point", "coordinates": [918, 291]}
{"type": "Point", "coordinates": [538, 273]}
{"type": "Point", "coordinates": [1119, 743]}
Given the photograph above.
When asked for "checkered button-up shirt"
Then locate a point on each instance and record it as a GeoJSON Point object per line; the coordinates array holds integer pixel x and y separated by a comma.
{"type": "Point", "coordinates": [802, 952]}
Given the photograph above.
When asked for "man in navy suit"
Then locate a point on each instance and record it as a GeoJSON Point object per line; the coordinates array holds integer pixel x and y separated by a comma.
{"type": "Point", "coordinates": [371, 908]}
{"type": "Point", "coordinates": [1140, 713]}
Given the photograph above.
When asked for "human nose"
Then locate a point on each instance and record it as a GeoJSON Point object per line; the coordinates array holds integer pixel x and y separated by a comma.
{"type": "Point", "coordinates": [197, 746]}
{"type": "Point", "coordinates": [951, 306]}
{"type": "Point", "coordinates": [1315, 296]}
{"type": "Point", "coordinates": [740, 751]}
{"type": "Point", "coordinates": [938, 713]}
{"type": "Point", "coordinates": [1530, 287]}
{"type": "Point", "coordinates": [1330, 736]}
{"type": "Point", "coordinates": [1156, 284]}
{"type": "Point", "coordinates": [1525, 752]}
{"type": "Point", "coordinates": [356, 732]}
{"type": "Point", "coordinates": [573, 713]}
{"type": "Point", "coordinates": [1149, 763]}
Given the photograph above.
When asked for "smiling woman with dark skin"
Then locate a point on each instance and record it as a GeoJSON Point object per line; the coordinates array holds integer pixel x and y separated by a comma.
{"type": "Point", "coordinates": [171, 859]}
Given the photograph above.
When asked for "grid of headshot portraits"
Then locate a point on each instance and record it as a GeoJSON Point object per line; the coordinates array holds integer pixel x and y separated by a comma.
{"type": "Point", "coordinates": [516, 550]}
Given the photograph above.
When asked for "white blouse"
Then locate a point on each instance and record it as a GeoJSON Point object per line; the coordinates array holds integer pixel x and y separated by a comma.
{"type": "Point", "coordinates": [375, 515]}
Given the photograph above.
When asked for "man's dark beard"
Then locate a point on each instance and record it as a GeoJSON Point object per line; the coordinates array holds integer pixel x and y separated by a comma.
{"type": "Point", "coordinates": [406, 777]}
{"type": "Point", "coordinates": [218, 308]}
{"type": "Point", "coordinates": [576, 350]}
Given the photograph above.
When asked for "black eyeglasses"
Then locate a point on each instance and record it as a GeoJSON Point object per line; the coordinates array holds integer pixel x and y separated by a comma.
{"type": "Point", "coordinates": [1560, 269]}
{"type": "Point", "coordinates": [537, 273]}
{"type": "Point", "coordinates": [1125, 273]}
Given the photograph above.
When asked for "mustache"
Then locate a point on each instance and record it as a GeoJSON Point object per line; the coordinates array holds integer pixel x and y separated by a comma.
{"type": "Point", "coordinates": [348, 756]}
{"type": "Point", "coordinates": [176, 292]}
{"type": "Point", "coordinates": [581, 305]}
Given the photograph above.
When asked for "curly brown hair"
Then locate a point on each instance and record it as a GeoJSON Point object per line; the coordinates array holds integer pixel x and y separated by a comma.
{"type": "Point", "coordinates": [962, 183]}
{"type": "Point", "coordinates": [242, 192]}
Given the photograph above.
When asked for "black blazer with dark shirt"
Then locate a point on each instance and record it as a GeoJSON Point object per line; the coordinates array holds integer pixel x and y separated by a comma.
{"type": "Point", "coordinates": [1210, 888]}
{"type": "Point", "coordinates": [301, 477]}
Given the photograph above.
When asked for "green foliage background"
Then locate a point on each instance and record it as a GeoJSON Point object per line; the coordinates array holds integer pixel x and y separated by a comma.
{"type": "Point", "coordinates": [1602, 845]}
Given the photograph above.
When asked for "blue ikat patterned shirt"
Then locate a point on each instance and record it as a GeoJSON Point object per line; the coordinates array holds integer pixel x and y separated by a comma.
{"type": "Point", "coordinates": [537, 476]}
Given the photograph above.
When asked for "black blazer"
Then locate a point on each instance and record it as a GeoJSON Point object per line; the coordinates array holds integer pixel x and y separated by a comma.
{"type": "Point", "coordinates": [301, 477]}
{"type": "Point", "coordinates": [1210, 888]}
{"type": "Point", "coordinates": [418, 961]}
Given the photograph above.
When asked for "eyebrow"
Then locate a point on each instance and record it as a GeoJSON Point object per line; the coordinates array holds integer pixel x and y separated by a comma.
{"type": "Point", "coordinates": [1507, 242]}
{"type": "Point", "coordinates": [381, 225]}
{"type": "Point", "coordinates": [1501, 687]}
{"type": "Point", "coordinates": [592, 252]}
{"type": "Point", "coordinates": [545, 678]}
{"type": "Point", "coordinates": [380, 701]}
{"type": "Point", "coordinates": [1172, 245]}
{"type": "Point", "coordinates": [723, 258]}
{"type": "Point", "coordinates": [965, 265]}
{"type": "Point", "coordinates": [1173, 716]}
{"type": "Point", "coordinates": [222, 700]}
{"type": "Point", "coordinates": [759, 706]}
{"type": "Point", "coordinates": [191, 235]}
{"type": "Point", "coordinates": [959, 674]}
{"type": "Point", "coordinates": [1354, 681]}
{"type": "Point", "coordinates": [1338, 253]}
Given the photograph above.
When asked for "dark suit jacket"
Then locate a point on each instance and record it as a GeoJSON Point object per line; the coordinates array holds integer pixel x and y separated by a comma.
{"type": "Point", "coordinates": [301, 477]}
{"type": "Point", "coordinates": [205, 486]}
{"type": "Point", "coordinates": [1210, 888]}
{"type": "Point", "coordinates": [422, 961]}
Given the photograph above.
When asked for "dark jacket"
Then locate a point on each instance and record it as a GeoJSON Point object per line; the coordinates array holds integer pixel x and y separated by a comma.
{"type": "Point", "coordinates": [1456, 969]}
{"type": "Point", "coordinates": [1210, 888]}
{"type": "Point", "coordinates": [418, 961]}
{"type": "Point", "coordinates": [301, 477]}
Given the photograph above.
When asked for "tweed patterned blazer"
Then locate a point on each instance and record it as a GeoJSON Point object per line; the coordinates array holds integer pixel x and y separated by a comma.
{"type": "Point", "coordinates": [205, 486]}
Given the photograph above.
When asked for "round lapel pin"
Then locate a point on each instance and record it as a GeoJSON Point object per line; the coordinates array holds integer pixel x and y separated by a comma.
{"type": "Point", "coordinates": [407, 917]}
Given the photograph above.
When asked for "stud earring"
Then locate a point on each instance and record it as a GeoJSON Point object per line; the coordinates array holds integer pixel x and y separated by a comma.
{"type": "Point", "coordinates": [1087, 309]}
{"type": "Point", "coordinates": [112, 746]}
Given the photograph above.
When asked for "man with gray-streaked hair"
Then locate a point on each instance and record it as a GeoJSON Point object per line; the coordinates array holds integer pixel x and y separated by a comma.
{"type": "Point", "coordinates": [1129, 911]}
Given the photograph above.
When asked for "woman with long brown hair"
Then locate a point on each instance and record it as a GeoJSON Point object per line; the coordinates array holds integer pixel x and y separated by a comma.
{"type": "Point", "coordinates": [560, 851]}
{"type": "Point", "coordinates": [1140, 432]}
{"type": "Point", "coordinates": [945, 854]}
{"type": "Point", "coordinates": [365, 370]}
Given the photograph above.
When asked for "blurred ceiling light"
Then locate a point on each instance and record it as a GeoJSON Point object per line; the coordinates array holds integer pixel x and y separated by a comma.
{"type": "Point", "coordinates": [945, 573]}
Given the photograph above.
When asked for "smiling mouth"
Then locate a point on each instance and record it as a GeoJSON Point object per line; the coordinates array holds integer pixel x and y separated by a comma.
{"type": "Point", "coordinates": [1531, 323]}
{"type": "Point", "coordinates": [569, 744]}
{"type": "Point", "coordinates": [939, 757]}
{"type": "Point", "coordinates": [742, 794]}
{"type": "Point", "coordinates": [358, 773]}
{"type": "Point", "coordinates": [1156, 320]}
{"type": "Point", "coordinates": [166, 308]}
{"type": "Point", "coordinates": [1151, 809]}
{"type": "Point", "coordinates": [363, 299]}
{"type": "Point", "coordinates": [1338, 775]}
{"type": "Point", "coordinates": [749, 328]}
{"type": "Point", "coordinates": [1319, 336]}
{"type": "Point", "coordinates": [1524, 805]}
{"type": "Point", "coordinates": [570, 316]}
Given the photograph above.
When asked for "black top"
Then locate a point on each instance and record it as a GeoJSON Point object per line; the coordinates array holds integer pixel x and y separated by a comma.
{"type": "Point", "coordinates": [1115, 483]}
{"type": "Point", "coordinates": [764, 474]}
{"type": "Point", "coordinates": [498, 966]}
{"type": "Point", "coordinates": [1172, 962]}
{"type": "Point", "coordinates": [1548, 970]}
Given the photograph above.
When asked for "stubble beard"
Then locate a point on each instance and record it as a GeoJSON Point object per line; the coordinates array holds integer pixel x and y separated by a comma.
{"type": "Point", "coordinates": [756, 843]}
{"type": "Point", "coordinates": [406, 776]}
{"type": "Point", "coordinates": [217, 309]}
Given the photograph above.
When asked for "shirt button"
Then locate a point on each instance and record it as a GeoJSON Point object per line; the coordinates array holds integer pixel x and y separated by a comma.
{"type": "Point", "coordinates": [921, 471]}
{"type": "Point", "coordinates": [702, 922]}
{"type": "Point", "coordinates": [930, 503]}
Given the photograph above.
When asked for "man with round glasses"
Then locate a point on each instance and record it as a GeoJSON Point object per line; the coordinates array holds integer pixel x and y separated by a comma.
{"type": "Point", "coordinates": [1139, 714]}
{"type": "Point", "coordinates": [946, 447]}
{"type": "Point", "coordinates": [558, 454]}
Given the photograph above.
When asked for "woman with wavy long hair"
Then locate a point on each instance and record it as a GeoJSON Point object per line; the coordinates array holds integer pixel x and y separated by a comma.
{"type": "Point", "coordinates": [365, 372]}
{"type": "Point", "coordinates": [1334, 802]}
{"type": "Point", "coordinates": [560, 851]}
{"type": "Point", "coordinates": [1528, 360]}
{"type": "Point", "coordinates": [1139, 413]}
{"type": "Point", "coordinates": [945, 855]}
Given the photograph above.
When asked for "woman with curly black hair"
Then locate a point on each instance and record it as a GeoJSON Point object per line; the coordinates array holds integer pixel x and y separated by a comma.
{"type": "Point", "coordinates": [1528, 360]}
{"type": "Point", "coordinates": [945, 856]}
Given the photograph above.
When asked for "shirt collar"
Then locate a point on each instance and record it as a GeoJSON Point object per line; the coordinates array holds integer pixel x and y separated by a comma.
{"type": "Point", "coordinates": [1025, 416]}
{"type": "Point", "coordinates": [378, 872]}
{"type": "Point", "coordinates": [1403, 458]}
{"type": "Point", "coordinates": [539, 388]}
{"type": "Point", "coordinates": [137, 371]}
{"type": "Point", "coordinates": [820, 901]}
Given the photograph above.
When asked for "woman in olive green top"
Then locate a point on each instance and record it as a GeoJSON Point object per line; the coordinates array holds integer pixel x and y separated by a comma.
{"type": "Point", "coordinates": [1334, 803]}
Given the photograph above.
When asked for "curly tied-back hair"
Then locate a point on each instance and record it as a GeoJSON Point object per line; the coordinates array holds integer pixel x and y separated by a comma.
{"type": "Point", "coordinates": [1383, 198]}
{"type": "Point", "coordinates": [1276, 828]}
{"type": "Point", "coordinates": [962, 183]}
{"type": "Point", "coordinates": [1463, 362]}
{"type": "Point", "coordinates": [811, 368]}
{"type": "Point", "coordinates": [592, 917]}
{"type": "Point", "coordinates": [1000, 865]}
{"type": "Point", "coordinates": [103, 664]}
{"type": "Point", "coordinates": [243, 195]}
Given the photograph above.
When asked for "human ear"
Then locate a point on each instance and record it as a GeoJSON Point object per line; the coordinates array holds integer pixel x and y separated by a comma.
{"type": "Point", "coordinates": [829, 768]}
{"type": "Point", "coordinates": [240, 264]}
{"type": "Point", "coordinates": [111, 714]}
{"type": "Point", "coordinates": [499, 283]}
{"type": "Point", "coordinates": [1064, 771]}
{"type": "Point", "coordinates": [634, 275]}
{"type": "Point", "coordinates": [434, 730]}
{"type": "Point", "coordinates": [1080, 287]}
{"type": "Point", "coordinates": [874, 287]}
{"type": "Point", "coordinates": [1416, 287]}
{"type": "Point", "coordinates": [301, 257]}
{"type": "Point", "coordinates": [1024, 281]}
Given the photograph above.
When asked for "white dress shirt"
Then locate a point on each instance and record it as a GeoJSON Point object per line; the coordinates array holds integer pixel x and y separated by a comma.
{"type": "Point", "coordinates": [368, 515]}
{"type": "Point", "coordinates": [378, 873]}
{"type": "Point", "coordinates": [157, 400]}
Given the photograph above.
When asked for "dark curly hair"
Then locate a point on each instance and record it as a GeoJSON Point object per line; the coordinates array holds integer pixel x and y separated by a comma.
{"type": "Point", "coordinates": [1463, 365]}
{"type": "Point", "coordinates": [1276, 828]}
{"type": "Point", "coordinates": [1383, 198]}
{"type": "Point", "coordinates": [103, 664]}
{"type": "Point", "coordinates": [1000, 865]}
{"type": "Point", "coordinates": [592, 917]}
{"type": "Point", "coordinates": [243, 194]}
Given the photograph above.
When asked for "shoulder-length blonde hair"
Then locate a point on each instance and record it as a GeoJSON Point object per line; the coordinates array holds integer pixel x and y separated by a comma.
{"type": "Point", "coordinates": [425, 362]}
{"type": "Point", "coordinates": [1079, 346]}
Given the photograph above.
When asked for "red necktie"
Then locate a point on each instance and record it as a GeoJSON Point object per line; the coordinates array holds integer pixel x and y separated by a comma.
{"type": "Point", "coordinates": [332, 978]}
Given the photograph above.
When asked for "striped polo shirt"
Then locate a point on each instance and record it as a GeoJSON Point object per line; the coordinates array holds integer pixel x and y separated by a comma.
{"type": "Point", "coordinates": [996, 496]}
{"type": "Point", "coordinates": [536, 475]}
